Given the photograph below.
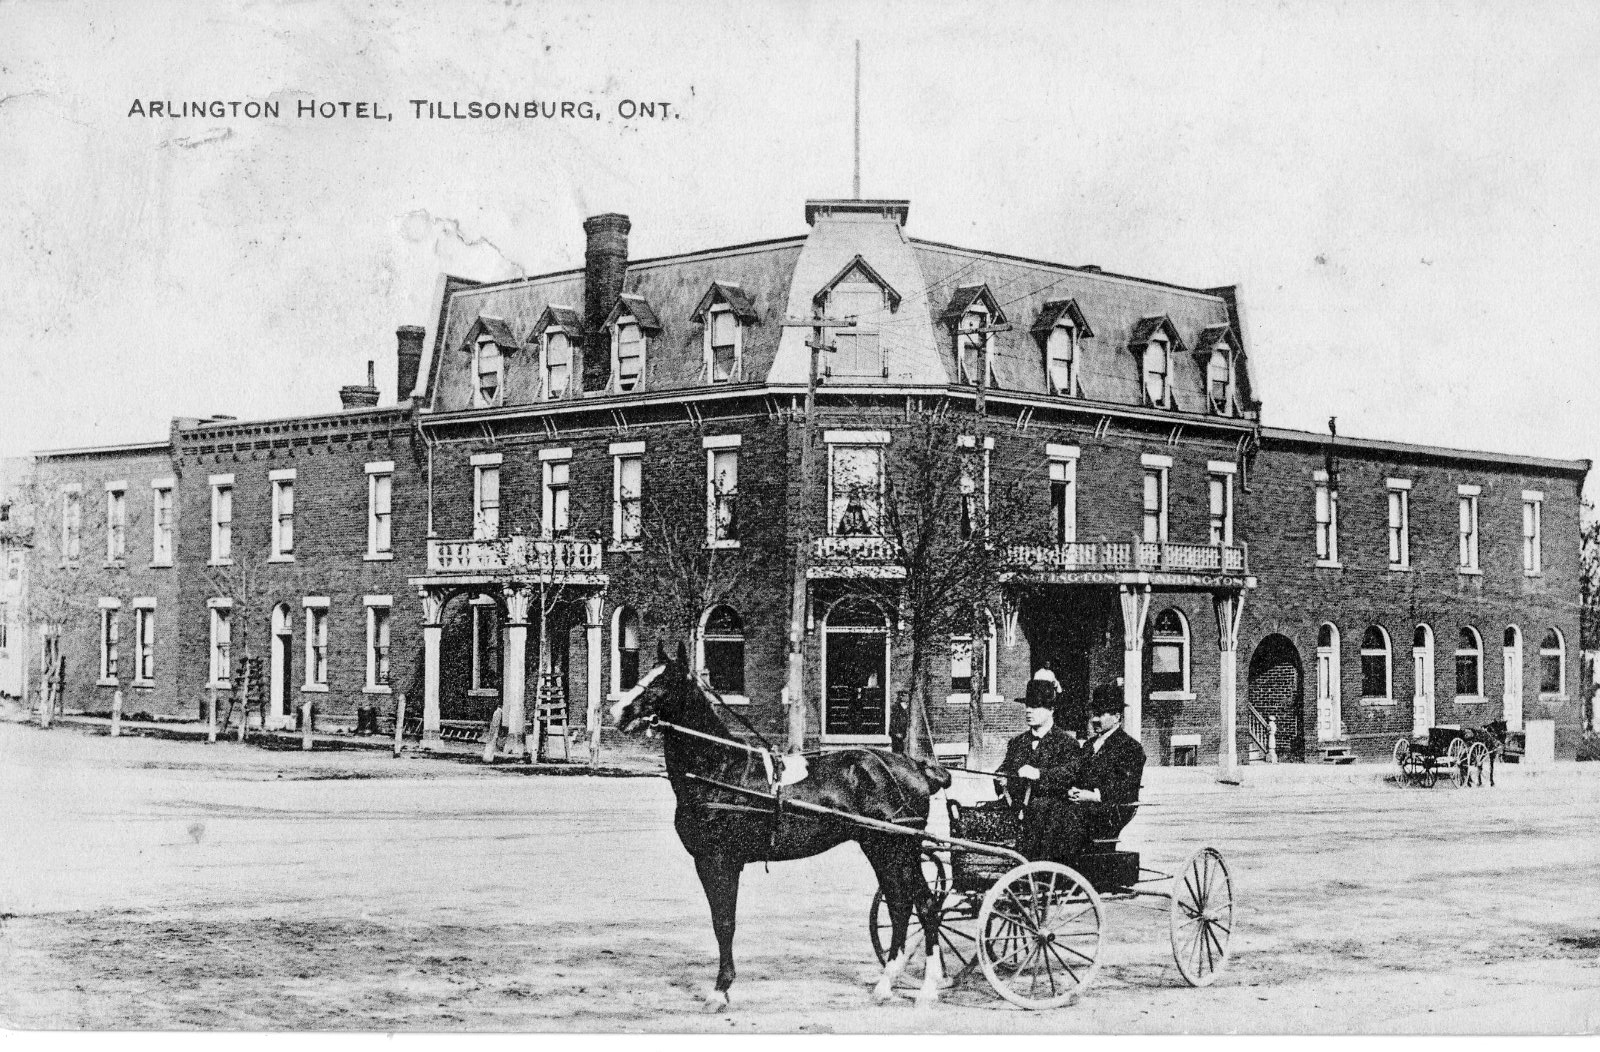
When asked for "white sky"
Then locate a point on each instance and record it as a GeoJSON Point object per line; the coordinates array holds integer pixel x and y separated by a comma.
{"type": "Point", "coordinates": [1404, 192]}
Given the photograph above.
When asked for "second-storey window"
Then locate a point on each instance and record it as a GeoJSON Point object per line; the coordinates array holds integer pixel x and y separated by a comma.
{"type": "Point", "coordinates": [486, 501]}
{"type": "Point", "coordinates": [316, 646]}
{"type": "Point", "coordinates": [486, 368]}
{"type": "Point", "coordinates": [1532, 533]}
{"type": "Point", "coordinates": [1155, 504]}
{"type": "Point", "coordinates": [72, 523]}
{"type": "Point", "coordinates": [630, 345]}
{"type": "Point", "coordinates": [116, 524]}
{"type": "Point", "coordinates": [161, 528]}
{"type": "Point", "coordinates": [222, 521]}
{"type": "Point", "coordinates": [557, 498]}
{"type": "Point", "coordinates": [855, 490]}
{"type": "Point", "coordinates": [1467, 532]}
{"type": "Point", "coordinates": [722, 495]}
{"type": "Point", "coordinates": [380, 509]}
{"type": "Point", "coordinates": [1327, 520]}
{"type": "Point", "coordinates": [1399, 524]}
{"type": "Point", "coordinates": [627, 520]}
{"type": "Point", "coordinates": [283, 515]}
{"type": "Point", "coordinates": [1063, 501]}
{"type": "Point", "coordinates": [1221, 505]}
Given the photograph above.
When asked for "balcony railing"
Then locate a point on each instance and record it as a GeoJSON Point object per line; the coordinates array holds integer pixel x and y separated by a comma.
{"type": "Point", "coordinates": [1130, 555]}
{"type": "Point", "coordinates": [514, 555]}
{"type": "Point", "coordinates": [855, 550]}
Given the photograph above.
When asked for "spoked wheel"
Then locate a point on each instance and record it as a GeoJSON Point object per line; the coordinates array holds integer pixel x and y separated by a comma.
{"type": "Point", "coordinates": [1477, 756]}
{"type": "Point", "coordinates": [1456, 756]}
{"type": "Point", "coordinates": [957, 944]}
{"type": "Point", "coordinates": [1202, 917]}
{"type": "Point", "coordinates": [1416, 770]}
{"type": "Point", "coordinates": [1402, 749]}
{"type": "Point", "coordinates": [1040, 932]}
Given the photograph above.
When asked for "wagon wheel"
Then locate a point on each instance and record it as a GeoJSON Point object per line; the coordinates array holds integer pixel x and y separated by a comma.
{"type": "Point", "coordinates": [1430, 775]}
{"type": "Point", "coordinates": [1202, 917]}
{"type": "Point", "coordinates": [1041, 928]}
{"type": "Point", "coordinates": [1456, 757]}
{"type": "Point", "coordinates": [1414, 769]}
{"type": "Point", "coordinates": [1477, 756]}
{"type": "Point", "coordinates": [1402, 749]}
{"type": "Point", "coordinates": [956, 943]}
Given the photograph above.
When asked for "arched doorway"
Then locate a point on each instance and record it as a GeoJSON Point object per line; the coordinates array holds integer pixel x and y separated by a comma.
{"type": "Point", "coordinates": [1277, 691]}
{"type": "Point", "coordinates": [282, 666]}
{"type": "Point", "coordinates": [855, 671]}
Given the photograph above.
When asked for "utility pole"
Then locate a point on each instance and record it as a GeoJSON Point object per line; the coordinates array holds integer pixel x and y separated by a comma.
{"type": "Point", "coordinates": [819, 324]}
{"type": "Point", "coordinates": [983, 358]}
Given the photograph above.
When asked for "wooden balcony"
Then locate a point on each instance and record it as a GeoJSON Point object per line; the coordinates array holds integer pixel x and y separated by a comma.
{"type": "Point", "coordinates": [527, 557]}
{"type": "Point", "coordinates": [1091, 561]}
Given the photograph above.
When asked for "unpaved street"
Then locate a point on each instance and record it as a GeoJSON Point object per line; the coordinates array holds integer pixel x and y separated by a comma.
{"type": "Point", "coordinates": [152, 884]}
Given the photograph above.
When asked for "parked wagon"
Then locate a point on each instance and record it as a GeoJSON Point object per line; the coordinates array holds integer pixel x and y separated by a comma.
{"type": "Point", "coordinates": [1449, 752]}
{"type": "Point", "coordinates": [1037, 930]}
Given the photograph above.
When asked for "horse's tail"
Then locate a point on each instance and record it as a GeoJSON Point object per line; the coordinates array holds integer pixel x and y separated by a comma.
{"type": "Point", "coordinates": [937, 777]}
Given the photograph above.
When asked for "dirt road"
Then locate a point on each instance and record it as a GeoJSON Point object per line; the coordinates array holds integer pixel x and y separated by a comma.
{"type": "Point", "coordinates": [162, 885]}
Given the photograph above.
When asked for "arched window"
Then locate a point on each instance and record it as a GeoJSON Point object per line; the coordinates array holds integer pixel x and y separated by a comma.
{"type": "Point", "coordinates": [1469, 664]}
{"type": "Point", "coordinates": [557, 363]}
{"type": "Point", "coordinates": [1375, 667]}
{"type": "Point", "coordinates": [723, 642]}
{"type": "Point", "coordinates": [624, 649]}
{"type": "Point", "coordinates": [486, 363]}
{"type": "Point", "coordinates": [1169, 654]}
{"type": "Point", "coordinates": [1553, 665]}
{"type": "Point", "coordinates": [1219, 380]}
{"type": "Point", "coordinates": [970, 349]}
{"type": "Point", "coordinates": [628, 364]}
{"type": "Point", "coordinates": [1156, 362]}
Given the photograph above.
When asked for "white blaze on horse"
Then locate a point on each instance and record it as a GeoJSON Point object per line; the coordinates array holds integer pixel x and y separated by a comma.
{"type": "Point", "coordinates": [726, 817]}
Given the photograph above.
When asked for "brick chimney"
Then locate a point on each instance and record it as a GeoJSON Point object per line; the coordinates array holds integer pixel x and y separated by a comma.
{"type": "Point", "coordinates": [408, 359]}
{"type": "Point", "coordinates": [353, 396]}
{"type": "Point", "coordinates": [605, 267]}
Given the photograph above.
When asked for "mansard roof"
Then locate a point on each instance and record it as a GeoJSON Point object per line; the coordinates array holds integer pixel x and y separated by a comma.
{"type": "Point", "coordinates": [635, 307]}
{"type": "Point", "coordinates": [965, 297]}
{"type": "Point", "coordinates": [737, 299]}
{"type": "Point", "coordinates": [1149, 328]}
{"type": "Point", "coordinates": [1053, 311]}
{"type": "Point", "coordinates": [1212, 335]}
{"type": "Point", "coordinates": [494, 328]}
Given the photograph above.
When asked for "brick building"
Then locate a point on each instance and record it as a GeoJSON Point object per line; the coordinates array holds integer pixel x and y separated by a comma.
{"type": "Point", "coordinates": [612, 456]}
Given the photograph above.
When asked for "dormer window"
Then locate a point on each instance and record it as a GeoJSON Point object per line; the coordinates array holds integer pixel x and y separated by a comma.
{"type": "Point", "coordinates": [487, 367]}
{"type": "Point", "coordinates": [1061, 351]}
{"type": "Point", "coordinates": [628, 345]}
{"type": "Point", "coordinates": [722, 336]}
{"type": "Point", "coordinates": [1219, 381]}
{"type": "Point", "coordinates": [1155, 340]}
{"type": "Point", "coordinates": [972, 345]}
{"type": "Point", "coordinates": [1157, 365]}
{"type": "Point", "coordinates": [557, 363]}
{"type": "Point", "coordinates": [857, 292]}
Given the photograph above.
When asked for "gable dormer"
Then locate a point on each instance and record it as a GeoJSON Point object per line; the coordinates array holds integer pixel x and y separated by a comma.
{"type": "Point", "coordinates": [857, 291]}
{"type": "Point", "coordinates": [557, 335]}
{"type": "Point", "coordinates": [972, 311]}
{"type": "Point", "coordinates": [723, 314]}
{"type": "Point", "coordinates": [631, 324]}
{"type": "Point", "coordinates": [1216, 351]}
{"type": "Point", "coordinates": [488, 341]}
{"type": "Point", "coordinates": [1156, 344]}
{"type": "Point", "coordinates": [1060, 331]}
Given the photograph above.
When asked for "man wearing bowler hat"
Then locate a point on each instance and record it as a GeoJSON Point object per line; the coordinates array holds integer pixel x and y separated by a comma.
{"type": "Point", "coordinates": [1039, 770]}
{"type": "Point", "coordinates": [1105, 784]}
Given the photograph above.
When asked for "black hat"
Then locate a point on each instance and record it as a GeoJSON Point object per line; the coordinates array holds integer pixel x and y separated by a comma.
{"type": "Point", "coordinates": [1107, 698]}
{"type": "Point", "coordinates": [1041, 694]}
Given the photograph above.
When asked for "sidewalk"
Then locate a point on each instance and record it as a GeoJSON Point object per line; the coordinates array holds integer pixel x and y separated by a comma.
{"type": "Point", "coordinates": [621, 756]}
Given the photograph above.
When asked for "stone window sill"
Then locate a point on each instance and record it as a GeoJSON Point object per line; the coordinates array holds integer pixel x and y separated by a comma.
{"type": "Point", "coordinates": [1467, 699]}
{"type": "Point", "coordinates": [1399, 567]}
{"type": "Point", "coordinates": [115, 564]}
{"type": "Point", "coordinates": [1172, 695]}
{"type": "Point", "coordinates": [377, 689]}
{"type": "Point", "coordinates": [722, 544]}
{"type": "Point", "coordinates": [1329, 564]}
{"type": "Point", "coordinates": [1376, 702]}
{"type": "Point", "coordinates": [143, 684]}
{"type": "Point", "coordinates": [483, 692]}
{"type": "Point", "coordinates": [108, 681]}
{"type": "Point", "coordinates": [1469, 571]}
{"type": "Point", "coordinates": [314, 688]}
{"type": "Point", "coordinates": [166, 565]}
{"type": "Point", "coordinates": [378, 557]}
{"type": "Point", "coordinates": [280, 558]}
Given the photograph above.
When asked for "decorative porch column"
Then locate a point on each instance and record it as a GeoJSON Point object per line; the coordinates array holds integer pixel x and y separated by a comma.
{"type": "Point", "coordinates": [1229, 607]}
{"type": "Point", "coordinates": [514, 676]}
{"type": "Point", "coordinates": [593, 608]}
{"type": "Point", "coordinates": [432, 633]}
{"type": "Point", "coordinates": [1135, 608]}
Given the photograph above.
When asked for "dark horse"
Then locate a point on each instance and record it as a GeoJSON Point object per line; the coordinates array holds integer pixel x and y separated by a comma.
{"type": "Point", "coordinates": [725, 830]}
